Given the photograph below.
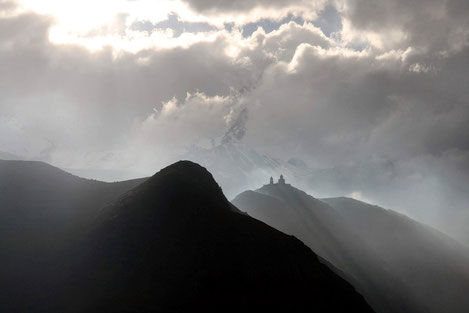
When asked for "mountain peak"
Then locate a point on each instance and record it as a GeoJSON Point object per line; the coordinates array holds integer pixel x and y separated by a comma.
{"type": "Point", "coordinates": [184, 174]}
{"type": "Point", "coordinates": [187, 168]}
{"type": "Point", "coordinates": [185, 171]}
{"type": "Point", "coordinates": [187, 250]}
{"type": "Point", "coordinates": [173, 189]}
{"type": "Point", "coordinates": [281, 187]}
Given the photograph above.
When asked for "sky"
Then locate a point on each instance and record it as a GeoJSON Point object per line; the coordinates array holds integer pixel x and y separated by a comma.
{"type": "Point", "coordinates": [129, 84]}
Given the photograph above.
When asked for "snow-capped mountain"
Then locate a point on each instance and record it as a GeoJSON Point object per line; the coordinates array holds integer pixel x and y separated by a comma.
{"type": "Point", "coordinates": [236, 165]}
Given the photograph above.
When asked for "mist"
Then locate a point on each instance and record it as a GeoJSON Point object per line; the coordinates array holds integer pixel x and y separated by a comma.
{"type": "Point", "coordinates": [371, 98]}
{"type": "Point", "coordinates": [142, 145]}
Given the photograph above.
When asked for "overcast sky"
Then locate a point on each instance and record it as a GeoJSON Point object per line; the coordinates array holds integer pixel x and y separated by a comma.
{"type": "Point", "coordinates": [127, 84]}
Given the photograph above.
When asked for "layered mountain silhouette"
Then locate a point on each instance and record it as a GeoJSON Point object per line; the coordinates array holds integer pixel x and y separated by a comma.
{"type": "Point", "coordinates": [433, 266]}
{"type": "Point", "coordinates": [42, 211]}
{"type": "Point", "coordinates": [398, 264]}
{"type": "Point", "coordinates": [171, 243]}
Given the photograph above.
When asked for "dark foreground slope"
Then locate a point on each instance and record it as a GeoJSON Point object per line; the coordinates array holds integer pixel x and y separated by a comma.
{"type": "Point", "coordinates": [42, 211]}
{"type": "Point", "coordinates": [41, 206]}
{"type": "Point", "coordinates": [175, 244]}
{"type": "Point", "coordinates": [399, 265]}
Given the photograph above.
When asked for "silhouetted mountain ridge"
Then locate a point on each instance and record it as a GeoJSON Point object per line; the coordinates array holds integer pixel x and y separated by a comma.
{"type": "Point", "coordinates": [199, 254]}
{"type": "Point", "coordinates": [319, 226]}
{"type": "Point", "coordinates": [43, 210]}
{"type": "Point", "coordinates": [174, 243]}
{"type": "Point", "coordinates": [36, 191]}
{"type": "Point", "coordinates": [398, 264]}
{"type": "Point", "coordinates": [428, 261]}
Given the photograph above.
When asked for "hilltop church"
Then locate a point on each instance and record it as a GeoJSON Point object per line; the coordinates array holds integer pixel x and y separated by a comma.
{"type": "Point", "coordinates": [281, 180]}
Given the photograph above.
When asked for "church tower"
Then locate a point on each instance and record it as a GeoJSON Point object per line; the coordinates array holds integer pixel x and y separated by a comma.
{"type": "Point", "coordinates": [281, 180]}
{"type": "Point", "coordinates": [271, 180]}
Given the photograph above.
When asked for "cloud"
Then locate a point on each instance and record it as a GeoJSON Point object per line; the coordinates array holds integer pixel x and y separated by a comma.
{"type": "Point", "coordinates": [6, 6]}
{"type": "Point", "coordinates": [434, 24]}
{"type": "Point", "coordinates": [242, 12]}
{"type": "Point", "coordinates": [387, 83]}
{"type": "Point", "coordinates": [88, 101]}
{"type": "Point", "coordinates": [241, 5]}
{"type": "Point", "coordinates": [268, 25]}
{"type": "Point", "coordinates": [173, 23]}
{"type": "Point", "coordinates": [180, 124]}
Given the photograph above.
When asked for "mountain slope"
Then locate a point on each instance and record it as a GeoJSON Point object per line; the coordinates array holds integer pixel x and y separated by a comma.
{"type": "Point", "coordinates": [39, 197]}
{"type": "Point", "coordinates": [434, 266]}
{"type": "Point", "coordinates": [191, 250]}
{"type": "Point", "coordinates": [29, 184]}
{"type": "Point", "coordinates": [398, 264]}
{"type": "Point", "coordinates": [42, 211]}
{"type": "Point", "coordinates": [328, 234]}
{"type": "Point", "coordinates": [175, 244]}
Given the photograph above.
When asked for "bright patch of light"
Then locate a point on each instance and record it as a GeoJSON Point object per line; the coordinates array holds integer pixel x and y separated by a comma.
{"type": "Point", "coordinates": [357, 195]}
{"type": "Point", "coordinates": [78, 16]}
{"type": "Point", "coordinates": [95, 24]}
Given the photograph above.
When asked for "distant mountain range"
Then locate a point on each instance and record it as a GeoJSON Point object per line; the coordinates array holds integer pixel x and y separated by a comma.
{"type": "Point", "coordinates": [9, 156]}
{"type": "Point", "coordinates": [170, 243]}
{"type": "Point", "coordinates": [238, 166]}
{"type": "Point", "coordinates": [104, 175]}
{"type": "Point", "coordinates": [74, 239]}
{"type": "Point", "coordinates": [399, 265]}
